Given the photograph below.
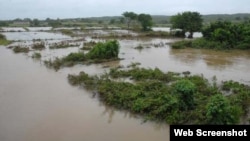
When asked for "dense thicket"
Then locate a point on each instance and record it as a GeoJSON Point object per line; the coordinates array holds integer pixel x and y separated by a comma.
{"type": "Point", "coordinates": [169, 97]}
{"type": "Point", "coordinates": [221, 35]}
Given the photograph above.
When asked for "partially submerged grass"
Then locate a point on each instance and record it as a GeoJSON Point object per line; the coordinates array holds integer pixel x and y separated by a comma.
{"type": "Point", "coordinates": [168, 97]}
{"type": "Point", "coordinates": [67, 32]}
{"type": "Point", "coordinates": [206, 44]}
{"type": "Point", "coordinates": [36, 55]}
{"type": "Point", "coordinates": [101, 52]}
{"type": "Point", "coordinates": [88, 45]}
{"type": "Point", "coordinates": [162, 34]}
{"type": "Point", "coordinates": [69, 60]}
{"type": "Point", "coordinates": [63, 44]}
{"type": "Point", "coordinates": [38, 45]}
{"type": "Point", "coordinates": [19, 49]}
{"type": "Point", "coordinates": [3, 40]}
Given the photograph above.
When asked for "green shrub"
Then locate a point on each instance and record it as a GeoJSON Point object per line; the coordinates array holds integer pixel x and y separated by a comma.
{"type": "Point", "coordinates": [219, 111]}
{"type": "Point", "coordinates": [185, 89]}
{"type": "Point", "coordinates": [107, 50]}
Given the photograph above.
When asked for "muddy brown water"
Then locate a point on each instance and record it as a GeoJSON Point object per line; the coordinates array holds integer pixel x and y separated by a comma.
{"type": "Point", "coordinates": [37, 103]}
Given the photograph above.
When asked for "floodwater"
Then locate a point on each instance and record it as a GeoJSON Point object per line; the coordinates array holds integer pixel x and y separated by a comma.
{"type": "Point", "coordinates": [38, 103]}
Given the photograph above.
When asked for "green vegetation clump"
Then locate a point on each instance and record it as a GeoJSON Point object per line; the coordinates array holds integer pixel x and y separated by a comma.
{"type": "Point", "coordinates": [3, 40]}
{"type": "Point", "coordinates": [36, 55]}
{"type": "Point", "coordinates": [220, 111]}
{"type": "Point", "coordinates": [233, 36]}
{"type": "Point", "coordinates": [38, 46]}
{"type": "Point", "coordinates": [19, 49]}
{"type": "Point", "coordinates": [101, 52]}
{"type": "Point", "coordinates": [220, 35]}
{"type": "Point", "coordinates": [105, 50]}
{"type": "Point", "coordinates": [69, 60]}
{"type": "Point", "coordinates": [169, 97]}
{"type": "Point", "coordinates": [67, 32]}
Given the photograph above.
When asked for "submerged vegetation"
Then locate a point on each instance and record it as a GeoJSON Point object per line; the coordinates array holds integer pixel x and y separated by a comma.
{"type": "Point", "coordinates": [38, 45]}
{"type": "Point", "coordinates": [3, 40]}
{"type": "Point", "coordinates": [19, 49]}
{"type": "Point", "coordinates": [36, 55]}
{"type": "Point", "coordinates": [67, 32]}
{"type": "Point", "coordinates": [63, 44]}
{"type": "Point", "coordinates": [169, 97]}
{"type": "Point", "coordinates": [101, 52]}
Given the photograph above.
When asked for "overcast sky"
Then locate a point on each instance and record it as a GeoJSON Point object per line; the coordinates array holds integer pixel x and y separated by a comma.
{"type": "Point", "coordinates": [41, 9]}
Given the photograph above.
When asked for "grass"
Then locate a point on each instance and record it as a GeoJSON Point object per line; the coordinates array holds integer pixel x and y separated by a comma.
{"type": "Point", "coordinates": [36, 55]}
{"type": "Point", "coordinates": [38, 46]}
{"type": "Point", "coordinates": [63, 45]}
{"type": "Point", "coordinates": [3, 40]}
{"type": "Point", "coordinates": [67, 32]}
{"type": "Point", "coordinates": [19, 49]}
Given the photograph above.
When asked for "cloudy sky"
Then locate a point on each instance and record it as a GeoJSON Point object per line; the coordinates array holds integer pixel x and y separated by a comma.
{"type": "Point", "coordinates": [11, 9]}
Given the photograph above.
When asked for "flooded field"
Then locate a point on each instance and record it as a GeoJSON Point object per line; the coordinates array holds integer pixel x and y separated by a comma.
{"type": "Point", "coordinates": [38, 103]}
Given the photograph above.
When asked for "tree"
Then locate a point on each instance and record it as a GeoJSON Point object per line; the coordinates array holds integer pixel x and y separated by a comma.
{"type": "Point", "coordinates": [187, 21]}
{"type": "Point", "coordinates": [129, 17]}
{"type": "Point", "coordinates": [112, 21]}
{"type": "Point", "coordinates": [146, 21]}
{"type": "Point", "coordinates": [35, 22]}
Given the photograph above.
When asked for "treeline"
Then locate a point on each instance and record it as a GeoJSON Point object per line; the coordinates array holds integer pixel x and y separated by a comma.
{"type": "Point", "coordinates": [157, 20]}
{"type": "Point", "coordinates": [221, 35]}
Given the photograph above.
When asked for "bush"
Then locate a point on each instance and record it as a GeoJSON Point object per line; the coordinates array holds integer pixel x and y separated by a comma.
{"type": "Point", "coordinates": [185, 89]}
{"type": "Point", "coordinates": [219, 111]}
{"type": "Point", "coordinates": [107, 50]}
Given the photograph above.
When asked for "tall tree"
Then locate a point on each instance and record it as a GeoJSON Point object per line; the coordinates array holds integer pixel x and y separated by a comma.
{"type": "Point", "coordinates": [146, 21]}
{"type": "Point", "coordinates": [129, 17]}
{"type": "Point", "coordinates": [187, 21]}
